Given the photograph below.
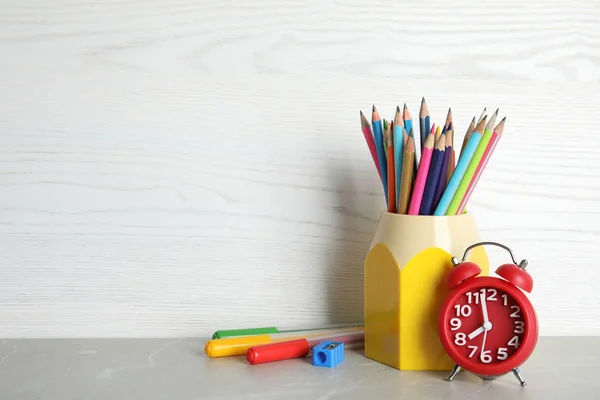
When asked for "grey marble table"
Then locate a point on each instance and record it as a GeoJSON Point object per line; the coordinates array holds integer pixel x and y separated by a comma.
{"type": "Point", "coordinates": [64, 369]}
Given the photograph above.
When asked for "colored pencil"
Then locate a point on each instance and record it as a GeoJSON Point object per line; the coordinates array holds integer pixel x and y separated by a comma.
{"type": "Point", "coordinates": [391, 172]}
{"type": "Point", "coordinates": [424, 122]}
{"type": "Point", "coordinates": [398, 138]}
{"type": "Point", "coordinates": [435, 169]}
{"type": "Point", "coordinates": [460, 169]}
{"type": "Point", "coordinates": [441, 184]}
{"type": "Point", "coordinates": [408, 161]}
{"type": "Point", "coordinates": [408, 125]}
{"type": "Point", "coordinates": [470, 171]}
{"type": "Point", "coordinates": [483, 115]}
{"type": "Point", "coordinates": [378, 138]}
{"type": "Point", "coordinates": [498, 130]}
{"type": "Point", "coordinates": [448, 119]}
{"type": "Point", "coordinates": [452, 163]}
{"type": "Point", "coordinates": [422, 172]}
{"type": "Point", "coordinates": [438, 132]}
{"type": "Point", "coordinates": [366, 129]}
{"type": "Point", "coordinates": [468, 135]}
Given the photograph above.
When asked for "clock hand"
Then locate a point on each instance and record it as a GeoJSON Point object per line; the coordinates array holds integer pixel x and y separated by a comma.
{"type": "Point", "coordinates": [476, 332]}
{"type": "Point", "coordinates": [484, 309]}
{"type": "Point", "coordinates": [485, 331]}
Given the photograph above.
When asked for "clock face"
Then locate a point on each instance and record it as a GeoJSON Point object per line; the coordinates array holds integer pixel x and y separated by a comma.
{"type": "Point", "coordinates": [485, 325]}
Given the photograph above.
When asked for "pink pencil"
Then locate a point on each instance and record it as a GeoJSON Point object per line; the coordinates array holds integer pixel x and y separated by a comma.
{"type": "Point", "coordinates": [417, 195]}
{"type": "Point", "coordinates": [484, 160]}
{"type": "Point", "coordinates": [366, 128]}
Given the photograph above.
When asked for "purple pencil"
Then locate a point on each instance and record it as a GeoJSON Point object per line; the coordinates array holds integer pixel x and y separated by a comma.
{"type": "Point", "coordinates": [441, 184]}
{"type": "Point", "coordinates": [433, 176]}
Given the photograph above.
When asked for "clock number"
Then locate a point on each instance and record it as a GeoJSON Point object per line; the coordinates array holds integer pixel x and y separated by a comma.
{"type": "Point", "coordinates": [455, 323]}
{"type": "Point", "coordinates": [460, 339]}
{"type": "Point", "coordinates": [514, 342]}
{"type": "Point", "coordinates": [505, 297]}
{"type": "Point", "coordinates": [471, 296]}
{"type": "Point", "coordinates": [485, 357]}
{"type": "Point", "coordinates": [474, 350]}
{"type": "Point", "coordinates": [465, 310]}
{"type": "Point", "coordinates": [515, 313]}
{"type": "Point", "coordinates": [520, 327]}
{"type": "Point", "coordinates": [492, 297]}
{"type": "Point", "coordinates": [502, 353]}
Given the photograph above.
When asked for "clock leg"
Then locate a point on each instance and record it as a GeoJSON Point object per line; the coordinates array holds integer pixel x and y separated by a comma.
{"type": "Point", "coordinates": [519, 377]}
{"type": "Point", "coordinates": [455, 371]}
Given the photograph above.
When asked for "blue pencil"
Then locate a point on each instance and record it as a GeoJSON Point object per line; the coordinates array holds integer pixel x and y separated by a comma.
{"type": "Point", "coordinates": [441, 184]}
{"type": "Point", "coordinates": [378, 138]}
{"type": "Point", "coordinates": [461, 168]}
{"type": "Point", "coordinates": [435, 168]}
{"type": "Point", "coordinates": [398, 151]}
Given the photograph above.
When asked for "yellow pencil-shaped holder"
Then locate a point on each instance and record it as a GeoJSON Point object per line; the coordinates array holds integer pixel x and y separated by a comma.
{"type": "Point", "coordinates": [405, 273]}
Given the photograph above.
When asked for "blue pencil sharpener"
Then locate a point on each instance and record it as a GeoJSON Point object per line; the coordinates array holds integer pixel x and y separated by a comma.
{"type": "Point", "coordinates": [328, 354]}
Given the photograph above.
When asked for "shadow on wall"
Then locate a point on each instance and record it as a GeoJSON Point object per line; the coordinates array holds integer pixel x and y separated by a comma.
{"type": "Point", "coordinates": [353, 232]}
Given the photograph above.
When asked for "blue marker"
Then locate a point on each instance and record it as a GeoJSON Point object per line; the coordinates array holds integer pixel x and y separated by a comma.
{"type": "Point", "coordinates": [458, 174]}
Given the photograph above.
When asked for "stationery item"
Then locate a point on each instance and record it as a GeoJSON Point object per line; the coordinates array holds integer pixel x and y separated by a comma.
{"type": "Point", "coordinates": [408, 162]}
{"type": "Point", "coordinates": [438, 132]}
{"type": "Point", "coordinates": [236, 346]}
{"type": "Point", "coordinates": [424, 122]}
{"type": "Point", "coordinates": [441, 184]}
{"type": "Point", "coordinates": [391, 171]}
{"type": "Point", "coordinates": [298, 348]}
{"type": "Point", "coordinates": [472, 167]}
{"type": "Point", "coordinates": [483, 115]}
{"type": "Point", "coordinates": [435, 173]}
{"type": "Point", "coordinates": [378, 138]}
{"type": "Point", "coordinates": [448, 119]}
{"type": "Point", "coordinates": [366, 129]}
{"type": "Point", "coordinates": [225, 333]}
{"type": "Point", "coordinates": [408, 125]}
{"type": "Point", "coordinates": [398, 139]}
{"type": "Point", "coordinates": [459, 172]}
{"type": "Point", "coordinates": [452, 164]}
{"type": "Point", "coordinates": [328, 353]}
{"type": "Point", "coordinates": [498, 130]}
{"type": "Point", "coordinates": [417, 195]}
{"type": "Point", "coordinates": [468, 135]}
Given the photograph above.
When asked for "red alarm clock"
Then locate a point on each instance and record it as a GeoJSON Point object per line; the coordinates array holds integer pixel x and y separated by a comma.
{"type": "Point", "coordinates": [486, 324]}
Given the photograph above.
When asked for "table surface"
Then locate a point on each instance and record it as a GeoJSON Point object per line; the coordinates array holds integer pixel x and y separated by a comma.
{"type": "Point", "coordinates": [560, 368]}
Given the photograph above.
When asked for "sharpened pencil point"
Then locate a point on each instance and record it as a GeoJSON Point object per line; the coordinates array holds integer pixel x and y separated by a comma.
{"type": "Point", "coordinates": [423, 100]}
{"type": "Point", "coordinates": [405, 106]}
{"type": "Point", "coordinates": [397, 109]}
{"type": "Point", "coordinates": [374, 109]}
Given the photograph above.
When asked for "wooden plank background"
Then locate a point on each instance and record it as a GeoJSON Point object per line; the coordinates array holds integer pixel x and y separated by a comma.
{"type": "Point", "coordinates": [168, 168]}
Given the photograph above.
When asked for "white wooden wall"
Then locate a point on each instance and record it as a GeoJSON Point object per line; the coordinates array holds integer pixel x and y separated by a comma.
{"type": "Point", "coordinates": [172, 167]}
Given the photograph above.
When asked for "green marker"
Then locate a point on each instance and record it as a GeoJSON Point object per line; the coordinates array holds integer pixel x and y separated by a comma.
{"type": "Point", "coordinates": [267, 331]}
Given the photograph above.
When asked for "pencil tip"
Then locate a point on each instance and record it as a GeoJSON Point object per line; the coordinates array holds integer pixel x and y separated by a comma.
{"type": "Point", "coordinates": [374, 109]}
{"type": "Point", "coordinates": [405, 106]}
{"type": "Point", "coordinates": [423, 100]}
{"type": "Point", "coordinates": [497, 109]}
{"type": "Point", "coordinates": [397, 109]}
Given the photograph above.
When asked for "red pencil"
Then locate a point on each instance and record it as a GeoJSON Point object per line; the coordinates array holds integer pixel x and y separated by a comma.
{"type": "Point", "coordinates": [366, 128]}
